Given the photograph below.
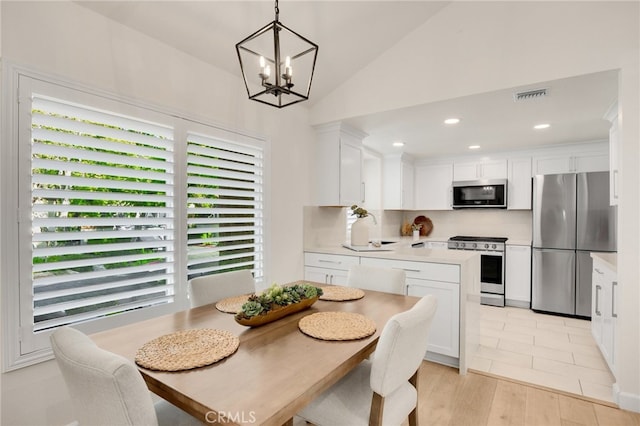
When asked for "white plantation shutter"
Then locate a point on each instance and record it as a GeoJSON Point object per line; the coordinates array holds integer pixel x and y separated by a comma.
{"type": "Point", "coordinates": [102, 213]}
{"type": "Point", "coordinates": [225, 206]}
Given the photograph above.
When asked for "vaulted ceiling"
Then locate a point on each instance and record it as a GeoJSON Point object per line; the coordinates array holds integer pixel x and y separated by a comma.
{"type": "Point", "coordinates": [353, 33]}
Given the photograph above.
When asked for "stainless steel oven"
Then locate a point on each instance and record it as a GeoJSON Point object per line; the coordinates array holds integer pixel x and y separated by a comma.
{"type": "Point", "coordinates": [492, 266]}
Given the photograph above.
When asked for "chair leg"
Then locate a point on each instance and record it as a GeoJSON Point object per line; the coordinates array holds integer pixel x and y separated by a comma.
{"type": "Point", "coordinates": [413, 415]}
{"type": "Point", "coordinates": [377, 407]}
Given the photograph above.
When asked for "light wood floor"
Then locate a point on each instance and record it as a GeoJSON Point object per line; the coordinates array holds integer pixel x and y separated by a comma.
{"type": "Point", "coordinates": [476, 399]}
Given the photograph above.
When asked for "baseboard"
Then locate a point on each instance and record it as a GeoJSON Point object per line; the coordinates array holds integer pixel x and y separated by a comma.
{"type": "Point", "coordinates": [442, 359]}
{"type": "Point", "coordinates": [517, 303]}
{"type": "Point", "coordinates": [625, 400]}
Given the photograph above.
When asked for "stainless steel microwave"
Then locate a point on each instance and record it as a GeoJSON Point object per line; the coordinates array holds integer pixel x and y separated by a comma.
{"type": "Point", "coordinates": [489, 193]}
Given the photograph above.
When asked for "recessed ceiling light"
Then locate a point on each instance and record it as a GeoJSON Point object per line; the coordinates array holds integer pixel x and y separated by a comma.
{"type": "Point", "coordinates": [542, 126]}
{"type": "Point", "coordinates": [474, 146]}
{"type": "Point", "coordinates": [452, 121]}
{"type": "Point", "coordinates": [398, 143]}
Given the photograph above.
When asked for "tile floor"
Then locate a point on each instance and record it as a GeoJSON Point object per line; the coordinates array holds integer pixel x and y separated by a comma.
{"type": "Point", "coordinates": [544, 350]}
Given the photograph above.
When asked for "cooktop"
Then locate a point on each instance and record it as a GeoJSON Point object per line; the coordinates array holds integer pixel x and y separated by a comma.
{"type": "Point", "coordinates": [470, 238]}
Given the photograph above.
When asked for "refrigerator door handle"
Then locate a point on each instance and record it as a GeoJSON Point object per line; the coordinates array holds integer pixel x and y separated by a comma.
{"type": "Point", "coordinates": [597, 310]}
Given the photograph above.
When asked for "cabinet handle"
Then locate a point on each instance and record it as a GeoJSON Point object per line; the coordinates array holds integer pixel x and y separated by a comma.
{"type": "Point", "coordinates": [336, 262]}
{"type": "Point", "coordinates": [411, 270]}
{"type": "Point", "coordinates": [615, 184]}
{"type": "Point", "coordinates": [598, 271]}
{"type": "Point", "coordinates": [364, 193]}
{"type": "Point", "coordinates": [598, 288]}
{"type": "Point", "coordinates": [614, 314]}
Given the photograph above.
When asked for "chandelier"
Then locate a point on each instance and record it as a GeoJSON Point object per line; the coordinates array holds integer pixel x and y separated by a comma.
{"type": "Point", "coordinates": [277, 64]}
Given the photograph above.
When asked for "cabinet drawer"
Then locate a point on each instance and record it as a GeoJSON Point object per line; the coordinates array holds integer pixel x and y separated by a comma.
{"type": "Point", "coordinates": [419, 270]}
{"type": "Point", "coordinates": [331, 261]}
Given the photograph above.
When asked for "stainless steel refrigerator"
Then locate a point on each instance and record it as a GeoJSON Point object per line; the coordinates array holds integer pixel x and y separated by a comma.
{"type": "Point", "coordinates": [571, 219]}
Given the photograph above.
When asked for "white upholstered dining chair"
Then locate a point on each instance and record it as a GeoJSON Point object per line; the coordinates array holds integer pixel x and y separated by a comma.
{"type": "Point", "coordinates": [383, 390]}
{"type": "Point", "coordinates": [107, 389]}
{"type": "Point", "coordinates": [378, 279]}
{"type": "Point", "coordinates": [211, 288]}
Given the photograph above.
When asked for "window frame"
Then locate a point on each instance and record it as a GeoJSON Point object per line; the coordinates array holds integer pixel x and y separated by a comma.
{"type": "Point", "coordinates": [12, 217]}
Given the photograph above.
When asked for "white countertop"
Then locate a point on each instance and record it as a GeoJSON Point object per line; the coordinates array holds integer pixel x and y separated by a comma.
{"type": "Point", "coordinates": [402, 250]}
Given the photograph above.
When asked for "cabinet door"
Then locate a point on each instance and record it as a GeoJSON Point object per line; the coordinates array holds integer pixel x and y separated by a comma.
{"type": "Point", "coordinates": [591, 162]}
{"type": "Point", "coordinates": [408, 176]}
{"type": "Point", "coordinates": [465, 171]}
{"type": "Point", "coordinates": [552, 165]}
{"type": "Point", "coordinates": [519, 184]}
{"type": "Point", "coordinates": [325, 276]}
{"type": "Point", "coordinates": [518, 276]}
{"type": "Point", "coordinates": [433, 187]}
{"type": "Point", "coordinates": [495, 169]}
{"type": "Point", "coordinates": [317, 275]}
{"type": "Point", "coordinates": [444, 334]}
{"type": "Point", "coordinates": [351, 191]}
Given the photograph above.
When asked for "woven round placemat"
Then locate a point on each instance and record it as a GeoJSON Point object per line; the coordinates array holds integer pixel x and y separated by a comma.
{"type": "Point", "coordinates": [337, 293]}
{"type": "Point", "coordinates": [187, 349]}
{"type": "Point", "coordinates": [337, 326]}
{"type": "Point", "coordinates": [232, 305]}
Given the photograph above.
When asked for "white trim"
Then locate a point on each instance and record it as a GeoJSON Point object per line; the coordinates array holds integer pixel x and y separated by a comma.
{"type": "Point", "coordinates": [9, 213]}
{"type": "Point", "coordinates": [626, 400]}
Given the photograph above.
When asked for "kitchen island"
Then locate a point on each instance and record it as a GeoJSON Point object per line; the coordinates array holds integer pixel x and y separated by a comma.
{"type": "Point", "coordinates": [453, 276]}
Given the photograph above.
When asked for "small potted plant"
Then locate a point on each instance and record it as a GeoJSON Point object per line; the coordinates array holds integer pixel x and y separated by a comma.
{"type": "Point", "coordinates": [359, 228]}
{"type": "Point", "coordinates": [416, 231]}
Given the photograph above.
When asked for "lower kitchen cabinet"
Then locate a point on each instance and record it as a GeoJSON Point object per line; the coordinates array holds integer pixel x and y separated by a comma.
{"type": "Point", "coordinates": [444, 334]}
{"type": "Point", "coordinates": [518, 276]}
{"type": "Point", "coordinates": [604, 310]}
{"type": "Point", "coordinates": [328, 268]}
{"type": "Point", "coordinates": [442, 281]}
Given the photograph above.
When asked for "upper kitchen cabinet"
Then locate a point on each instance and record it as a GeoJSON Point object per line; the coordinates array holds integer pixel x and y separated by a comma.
{"type": "Point", "coordinates": [398, 182]}
{"type": "Point", "coordinates": [473, 170]}
{"type": "Point", "coordinates": [593, 157]}
{"type": "Point", "coordinates": [339, 163]}
{"type": "Point", "coordinates": [612, 116]}
{"type": "Point", "coordinates": [433, 186]}
{"type": "Point", "coordinates": [519, 184]}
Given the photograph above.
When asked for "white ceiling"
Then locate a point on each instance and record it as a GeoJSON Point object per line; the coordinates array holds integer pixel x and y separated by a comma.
{"type": "Point", "coordinates": [350, 34]}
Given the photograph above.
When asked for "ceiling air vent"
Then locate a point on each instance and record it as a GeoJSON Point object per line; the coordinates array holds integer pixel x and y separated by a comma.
{"type": "Point", "coordinates": [529, 94]}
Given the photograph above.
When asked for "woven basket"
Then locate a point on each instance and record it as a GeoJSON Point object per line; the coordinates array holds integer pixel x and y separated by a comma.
{"type": "Point", "coordinates": [275, 314]}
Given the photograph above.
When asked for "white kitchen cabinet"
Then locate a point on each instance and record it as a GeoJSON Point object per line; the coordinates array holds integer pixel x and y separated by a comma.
{"type": "Point", "coordinates": [585, 158]}
{"type": "Point", "coordinates": [604, 310]}
{"type": "Point", "coordinates": [518, 276]}
{"type": "Point", "coordinates": [444, 332]}
{"type": "Point", "coordinates": [398, 181]}
{"type": "Point", "coordinates": [489, 169]}
{"type": "Point", "coordinates": [443, 281]}
{"type": "Point", "coordinates": [519, 184]}
{"type": "Point", "coordinates": [614, 137]}
{"type": "Point", "coordinates": [433, 186]}
{"type": "Point", "coordinates": [338, 164]}
{"type": "Point", "coordinates": [328, 268]}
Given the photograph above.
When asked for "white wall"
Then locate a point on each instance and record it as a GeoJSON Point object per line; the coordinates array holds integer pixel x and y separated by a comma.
{"type": "Point", "coordinates": [476, 47]}
{"type": "Point", "coordinates": [64, 39]}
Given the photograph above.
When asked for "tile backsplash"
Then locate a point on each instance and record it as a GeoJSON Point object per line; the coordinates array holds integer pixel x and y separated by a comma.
{"type": "Point", "coordinates": [327, 225]}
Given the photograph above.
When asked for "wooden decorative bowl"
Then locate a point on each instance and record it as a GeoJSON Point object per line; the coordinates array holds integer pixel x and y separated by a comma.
{"type": "Point", "coordinates": [275, 314]}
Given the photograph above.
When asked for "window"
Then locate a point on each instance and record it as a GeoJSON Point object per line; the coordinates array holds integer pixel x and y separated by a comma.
{"type": "Point", "coordinates": [101, 221]}
{"type": "Point", "coordinates": [118, 206]}
{"type": "Point", "coordinates": [224, 184]}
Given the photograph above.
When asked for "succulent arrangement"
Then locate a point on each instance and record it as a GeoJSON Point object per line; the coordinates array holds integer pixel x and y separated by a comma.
{"type": "Point", "coordinates": [359, 211]}
{"type": "Point", "coordinates": [277, 296]}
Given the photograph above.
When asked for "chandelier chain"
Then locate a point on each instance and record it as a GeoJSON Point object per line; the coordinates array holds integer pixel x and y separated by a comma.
{"type": "Point", "coordinates": [277, 10]}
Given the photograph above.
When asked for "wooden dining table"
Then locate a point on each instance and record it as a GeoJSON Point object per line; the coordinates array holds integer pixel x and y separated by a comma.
{"type": "Point", "coordinates": [275, 372]}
